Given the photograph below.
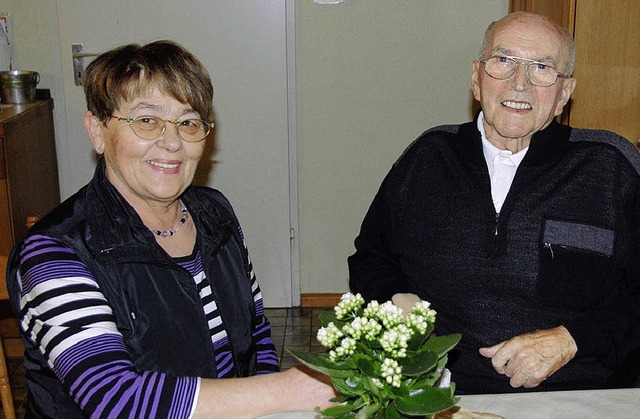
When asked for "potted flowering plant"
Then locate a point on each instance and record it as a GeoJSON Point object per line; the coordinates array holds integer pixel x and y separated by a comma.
{"type": "Point", "coordinates": [382, 362]}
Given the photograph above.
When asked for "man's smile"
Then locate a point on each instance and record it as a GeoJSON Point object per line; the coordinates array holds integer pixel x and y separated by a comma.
{"type": "Point", "coordinates": [517, 105]}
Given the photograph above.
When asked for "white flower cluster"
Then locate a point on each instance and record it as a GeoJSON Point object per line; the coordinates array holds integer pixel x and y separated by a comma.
{"type": "Point", "coordinates": [395, 341]}
{"type": "Point", "coordinates": [347, 347]}
{"type": "Point", "coordinates": [391, 372]}
{"type": "Point", "coordinates": [422, 309]}
{"type": "Point", "coordinates": [389, 314]}
{"type": "Point", "coordinates": [420, 316]}
{"type": "Point", "coordinates": [363, 327]}
{"type": "Point", "coordinates": [329, 336]}
{"type": "Point", "coordinates": [417, 322]}
{"type": "Point", "coordinates": [384, 322]}
{"type": "Point", "coordinates": [348, 304]}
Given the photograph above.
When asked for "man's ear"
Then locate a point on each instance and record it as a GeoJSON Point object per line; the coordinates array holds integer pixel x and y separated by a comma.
{"type": "Point", "coordinates": [568, 85]}
{"type": "Point", "coordinates": [95, 130]}
{"type": "Point", "coordinates": [475, 79]}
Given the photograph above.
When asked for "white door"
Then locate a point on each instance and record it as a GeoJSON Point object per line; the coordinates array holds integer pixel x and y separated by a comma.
{"type": "Point", "coordinates": [243, 44]}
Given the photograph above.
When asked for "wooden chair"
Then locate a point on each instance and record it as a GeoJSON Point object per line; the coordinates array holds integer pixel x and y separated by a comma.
{"type": "Point", "coordinates": [5, 388]}
{"type": "Point", "coordinates": [8, 328]}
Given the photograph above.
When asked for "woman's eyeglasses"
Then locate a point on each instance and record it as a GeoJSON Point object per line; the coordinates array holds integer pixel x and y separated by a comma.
{"type": "Point", "coordinates": [152, 127]}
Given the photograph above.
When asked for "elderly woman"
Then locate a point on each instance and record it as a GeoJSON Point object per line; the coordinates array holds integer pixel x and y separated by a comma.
{"type": "Point", "coordinates": [136, 295]}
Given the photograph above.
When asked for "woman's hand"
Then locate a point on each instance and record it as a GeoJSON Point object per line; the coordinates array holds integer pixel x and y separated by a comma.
{"type": "Point", "coordinates": [298, 388]}
{"type": "Point", "coordinates": [314, 389]}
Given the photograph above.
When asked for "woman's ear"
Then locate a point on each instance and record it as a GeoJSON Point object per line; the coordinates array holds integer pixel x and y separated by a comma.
{"type": "Point", "coordinates": [95, 128]}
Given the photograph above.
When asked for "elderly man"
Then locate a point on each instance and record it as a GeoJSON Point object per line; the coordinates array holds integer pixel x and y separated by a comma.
{"type": "Point", "coordinates": [523, 233]}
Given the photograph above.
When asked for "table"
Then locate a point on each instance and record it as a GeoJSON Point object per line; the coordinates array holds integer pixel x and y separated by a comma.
{"type": "Point", "coordinates": [578, 404]}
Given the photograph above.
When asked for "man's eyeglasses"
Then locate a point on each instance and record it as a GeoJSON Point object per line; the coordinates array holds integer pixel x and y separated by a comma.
{"type": "Point", "coordinates": [152, 127]}
{"type": "Point", "coordinates": [502, 67]}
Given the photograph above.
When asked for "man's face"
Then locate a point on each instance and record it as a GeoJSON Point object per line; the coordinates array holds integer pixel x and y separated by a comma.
{"type": "Point", "coordinates": [513, 108]}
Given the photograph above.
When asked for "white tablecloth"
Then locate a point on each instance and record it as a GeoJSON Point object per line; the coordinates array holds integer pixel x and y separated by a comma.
{"type": "Point", "coordinates": [583, 404]}
{"type": "Point", "coordinates": [579, 404]}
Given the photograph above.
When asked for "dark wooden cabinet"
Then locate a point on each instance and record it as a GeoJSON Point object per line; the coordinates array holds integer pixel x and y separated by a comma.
{"type": "Point", "coordinates": [562, 11]}
{"type": "Point", "coordinates": [28, 189]}
{"type": "Point", "coordinates": [28, 168]}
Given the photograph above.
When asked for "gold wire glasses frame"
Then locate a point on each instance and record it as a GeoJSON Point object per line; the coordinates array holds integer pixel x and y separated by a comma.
{"type": "Point", "coordinates": [150, 127]}
{"type": "Point", "coordinates": [501, 67]}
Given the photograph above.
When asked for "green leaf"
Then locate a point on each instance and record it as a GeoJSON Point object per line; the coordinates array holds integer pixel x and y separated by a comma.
{"type": "Point", "coordinates": [426, 401]}
{"type": "Point", "coordinates": [403, 390]}
{"type": "Point", "coordinates": [442, 344]}
{"type": "Point", "coordinates": [342, 409]}
{"type": "Point", "coordinates": [390, 412]}
{"type": "Point", "coordinates": [329, 316]}
{"type": "Point", "coordinates": [362, 349]}
{"type": "Point", "coordinates": [350, 363]}
{"type": "Point", "coordinates": [428, 380]}
{"type": "Point", "coordinates": [322, 363]}
{"type": "Point", "coordinates": [420, 363]}
{"type": "Point", "coordinates": [375, 345]}
{"type": "Point", "coordinates": [368, 411]}
{"type": "Point", "coordinates": [367, 367]}
{"type": "Point", "coordinates": [351, 386]}
{"type": "Point", "coordinates": [373, 388]}
{"type": "Point", "coordinates": [418, 339]}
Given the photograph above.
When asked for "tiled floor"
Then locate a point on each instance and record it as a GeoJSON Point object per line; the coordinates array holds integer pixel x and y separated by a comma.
{"type": "Point", "coordinates": [293, 328]}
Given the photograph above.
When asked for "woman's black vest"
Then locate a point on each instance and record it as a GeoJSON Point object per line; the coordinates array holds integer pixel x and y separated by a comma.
{"type": "Point", "coordinates": [155, 302]}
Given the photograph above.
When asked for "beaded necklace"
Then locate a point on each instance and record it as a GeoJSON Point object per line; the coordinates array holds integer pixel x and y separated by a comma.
{"type": "Point", "coordinates": [184, 215]}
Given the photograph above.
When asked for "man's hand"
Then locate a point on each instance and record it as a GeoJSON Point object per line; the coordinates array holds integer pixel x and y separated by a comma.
{"type": "Point", "coordinates": [531, 358]}
{"type": "Point", "coordinates": [405, 301]}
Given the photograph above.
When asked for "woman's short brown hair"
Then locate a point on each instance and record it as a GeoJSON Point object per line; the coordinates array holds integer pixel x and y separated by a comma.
{"type": "Point", "coordinates": [133, 70]}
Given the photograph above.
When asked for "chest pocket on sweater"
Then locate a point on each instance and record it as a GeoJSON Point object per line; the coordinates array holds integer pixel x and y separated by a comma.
{"type": "Point", "coordinates": [576, 262]}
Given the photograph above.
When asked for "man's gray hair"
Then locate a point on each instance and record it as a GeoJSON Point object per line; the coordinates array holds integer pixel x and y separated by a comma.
{"type": "Point", "coordinates": [568, 39]}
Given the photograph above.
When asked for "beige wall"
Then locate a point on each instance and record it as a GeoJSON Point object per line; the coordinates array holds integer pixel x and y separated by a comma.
{"type": "Point", "coordinates": [36, 48]}
{"type": "Point", "coordinates": [371, 76]}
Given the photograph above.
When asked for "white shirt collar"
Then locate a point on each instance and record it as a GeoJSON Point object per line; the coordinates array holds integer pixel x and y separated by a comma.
{"type": "Point", "coordinates": [502, 166]}
{"type": "Point", "coordinates": [491, 151]}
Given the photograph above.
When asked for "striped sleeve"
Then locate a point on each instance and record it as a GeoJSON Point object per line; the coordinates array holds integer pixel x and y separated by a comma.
{"type": "Point", "coordinates": [267, 356]}
{"type": "Point", "coordinates": [65, 315]}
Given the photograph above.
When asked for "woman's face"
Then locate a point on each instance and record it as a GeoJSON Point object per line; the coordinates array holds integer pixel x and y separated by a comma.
{"type": "Point", "coordinates": [154, 171]}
